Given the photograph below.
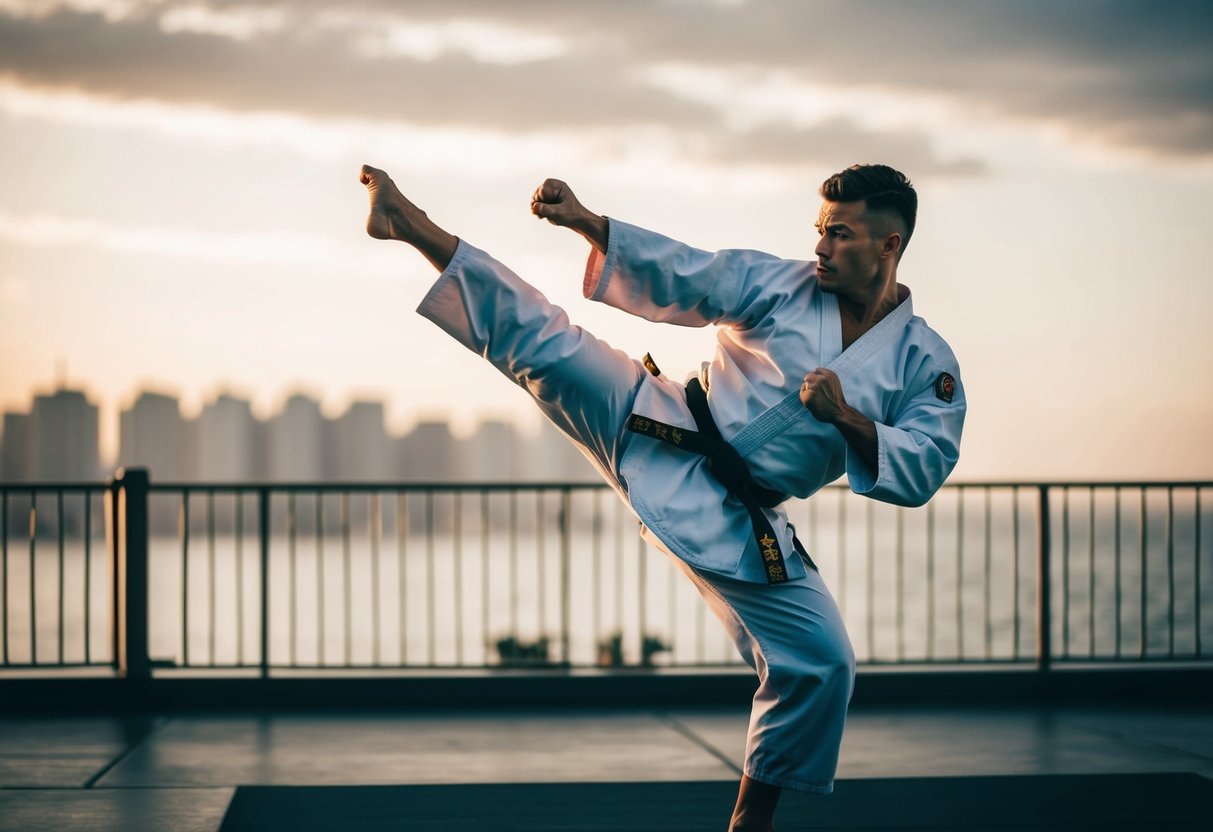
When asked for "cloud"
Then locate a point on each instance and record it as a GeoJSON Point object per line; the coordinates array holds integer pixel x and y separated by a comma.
{"type": "Point", "coordinates": [323, 72]}
{"type": "Point", "coordinates": [1118, 72]}
{"type": "Point", "coordinates": [253, 247]}
{"type": "Point", "coordinates": [836, 139]}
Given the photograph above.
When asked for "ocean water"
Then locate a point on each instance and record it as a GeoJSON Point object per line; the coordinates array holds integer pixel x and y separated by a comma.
{"type": "Point", "coordinates": [438, 580]}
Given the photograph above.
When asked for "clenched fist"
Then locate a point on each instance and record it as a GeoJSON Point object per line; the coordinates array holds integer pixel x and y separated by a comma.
{"type": "Point", "coordinates": [821, 393]}
{"type": "Point", "coordinates": [554, 201]}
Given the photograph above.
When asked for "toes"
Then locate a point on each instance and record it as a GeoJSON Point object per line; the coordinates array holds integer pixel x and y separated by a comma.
{"type": "Point", "coordinates": [368, 173]}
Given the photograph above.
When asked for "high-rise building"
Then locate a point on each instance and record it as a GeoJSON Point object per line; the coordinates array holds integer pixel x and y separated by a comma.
{"type": "Point", "coordinates": [494, 453]}
{"type": "Point", "coordinates": [295, 442]}
{"type": "Point", "coordinates": [553, 458]}
{"type": "Point", "coordinates": [63, 438]}
{"type": "Point", "coordinates": [428, 453]}
{"type": "Point", "coordinates": [223, 441]}
{"type": "Point", "coordinates": [15, 456]}
{"type": "Point", "coordinates": [359, 449]}
{"type": "Point", "coordinates": [152, 436]}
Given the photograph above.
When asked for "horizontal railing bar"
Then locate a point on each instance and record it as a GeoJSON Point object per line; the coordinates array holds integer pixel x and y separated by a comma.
{"type": "Point", "coordinates": [19, 487]}
{"type": "Point", "coordinates": [56, 665]}
{"type": "Point", "coordinates": [555, 485]}
{"type": "Point", "coordinates": [366, 487]}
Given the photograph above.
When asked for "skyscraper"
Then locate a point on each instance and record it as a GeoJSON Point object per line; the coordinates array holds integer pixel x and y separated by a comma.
{"type": "Point", "coordinates": [359, 449]}
{"type": "Point", "coordinates": [493, 453]}
{"type": "Point", "coordinates": [63, 438]}
{"type": "Point", "coordinates": [15, 455]}
{"type": "Point", "coordinates": [152, 436]}
{"type": "Point", "coordinates": [428, 453]}
{"type": "Point", "coordinates": [295, 439]}
{"type": "Point", "coordinates": [553, 458]}
{"type": "Point", "coordinates": [223, 441]}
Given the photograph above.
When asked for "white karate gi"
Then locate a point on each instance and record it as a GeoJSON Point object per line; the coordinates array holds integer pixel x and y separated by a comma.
{"type": "Point", "coordinates": [774, 326]}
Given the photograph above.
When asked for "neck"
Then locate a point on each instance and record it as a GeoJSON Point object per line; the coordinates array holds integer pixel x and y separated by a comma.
{"type": "Point", "coordinates": [880, 298]}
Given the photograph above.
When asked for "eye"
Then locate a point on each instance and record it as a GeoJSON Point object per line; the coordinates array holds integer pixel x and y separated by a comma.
{"type": "Point", "coordinates": [838, 235]}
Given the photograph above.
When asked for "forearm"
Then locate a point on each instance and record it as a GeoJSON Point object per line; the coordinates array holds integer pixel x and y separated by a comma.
{"type": "Point", "coordinates": [595, 229]}
{"type": "Point", "coordinates": [860, 434]}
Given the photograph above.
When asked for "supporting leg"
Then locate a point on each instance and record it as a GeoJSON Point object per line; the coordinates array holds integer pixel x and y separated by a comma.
{"type": "Point", "coordinates": [794, 638]}
{"type": "Point", "coordinates": [755, 809]}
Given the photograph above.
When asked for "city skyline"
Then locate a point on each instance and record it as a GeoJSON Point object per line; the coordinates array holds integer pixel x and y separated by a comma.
{"type": "Point", "coordinates": [225, 441]}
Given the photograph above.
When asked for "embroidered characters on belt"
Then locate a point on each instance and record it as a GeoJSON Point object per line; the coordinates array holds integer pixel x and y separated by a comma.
{"type": "Point", "coordinates": [657, 430]}
{"type": "Point", "coordinates": [773, 559]}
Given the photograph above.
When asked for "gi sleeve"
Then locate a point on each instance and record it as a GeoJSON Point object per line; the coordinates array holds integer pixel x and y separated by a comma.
{"type": "Point", "coordinates": [663, 280]}
{"type": "Point", "coordinates": [918, 451]}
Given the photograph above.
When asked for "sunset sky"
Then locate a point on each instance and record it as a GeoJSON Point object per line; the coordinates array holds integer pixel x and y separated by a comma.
{"type": "Point", "coordinates": [180, 207]}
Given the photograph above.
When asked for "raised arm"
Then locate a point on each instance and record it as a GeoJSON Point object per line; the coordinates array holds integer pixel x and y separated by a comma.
{"type": "Point", "coordinates": [661, 279]}
{"type": "Point", "coordinates": [554, 201]}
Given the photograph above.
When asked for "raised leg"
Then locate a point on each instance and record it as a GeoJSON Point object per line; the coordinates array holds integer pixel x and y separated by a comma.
{"type": "Point", "coordinates": [581, 383]}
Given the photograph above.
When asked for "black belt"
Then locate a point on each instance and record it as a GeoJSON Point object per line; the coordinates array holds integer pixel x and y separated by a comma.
{"type": "Point", "coordinates": [730, 470]}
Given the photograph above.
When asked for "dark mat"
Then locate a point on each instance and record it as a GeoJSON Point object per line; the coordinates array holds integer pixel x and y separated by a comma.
{"type": "Point", "coordinates": [1147, 802]}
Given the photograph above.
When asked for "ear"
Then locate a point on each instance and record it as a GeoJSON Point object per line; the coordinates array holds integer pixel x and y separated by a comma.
{"type": "Point", "coordinates": [891, 247]}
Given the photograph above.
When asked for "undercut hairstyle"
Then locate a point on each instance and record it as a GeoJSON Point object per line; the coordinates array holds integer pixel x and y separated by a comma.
{"type": "Point", "coordinates": [883, 189]}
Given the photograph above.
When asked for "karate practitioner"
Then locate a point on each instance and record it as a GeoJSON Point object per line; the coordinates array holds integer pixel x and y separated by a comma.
{"type": "Point", "coordinates": [821, 369]}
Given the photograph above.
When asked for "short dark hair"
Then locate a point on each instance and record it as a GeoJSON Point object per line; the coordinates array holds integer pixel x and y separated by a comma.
{"type": "Point", "coordinates": [881, 187]}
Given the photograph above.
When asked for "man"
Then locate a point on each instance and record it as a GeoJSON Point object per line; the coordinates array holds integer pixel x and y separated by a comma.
{"type": "Point", "coordinates": [821, 368]}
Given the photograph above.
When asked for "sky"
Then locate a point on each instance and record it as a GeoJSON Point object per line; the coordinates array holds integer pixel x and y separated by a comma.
{"type": "Point", "coordinates": [180, 208]}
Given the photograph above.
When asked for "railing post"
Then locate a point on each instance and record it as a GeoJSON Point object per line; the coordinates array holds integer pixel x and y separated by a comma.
{"type": "Point", "coordinates": [263, 511]}
{"type": "Point", "coordinates": [1044, 620]}
{"type": "Point", "coordinates": [129, 489]}
{"type": "Point", "coordinates": [566, 553]}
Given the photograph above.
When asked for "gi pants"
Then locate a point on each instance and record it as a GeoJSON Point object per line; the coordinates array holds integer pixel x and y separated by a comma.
{"type": "Point", "coordinates": [791, 634]}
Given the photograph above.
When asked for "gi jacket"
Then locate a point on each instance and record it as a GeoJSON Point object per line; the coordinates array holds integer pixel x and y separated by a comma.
{"type": "Point", "coordinates": [775, 325]}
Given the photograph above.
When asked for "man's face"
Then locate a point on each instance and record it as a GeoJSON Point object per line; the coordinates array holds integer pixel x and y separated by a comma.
{"type": "Point", "coordinates": [848, 254]}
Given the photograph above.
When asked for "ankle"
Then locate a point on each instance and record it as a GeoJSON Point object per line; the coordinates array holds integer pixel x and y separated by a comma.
{"type": "Point", "coordinates": [739, 825]}
{"type": "Point", "coordinates": [747, 822]}
{"type": "Point", "coordinates": [406, 224]}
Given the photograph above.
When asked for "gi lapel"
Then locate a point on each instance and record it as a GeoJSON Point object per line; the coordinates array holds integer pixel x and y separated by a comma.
{"type": "Point", "coordinates": [780, 417]}
{"type": "Point", "coordinates": [872, 341]}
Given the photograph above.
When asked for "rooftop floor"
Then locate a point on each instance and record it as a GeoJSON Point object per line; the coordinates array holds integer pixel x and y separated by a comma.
{"type": "Point", "coordinates": [180, 772]}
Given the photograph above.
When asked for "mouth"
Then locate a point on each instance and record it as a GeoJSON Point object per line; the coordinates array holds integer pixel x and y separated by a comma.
{"type": "Point", "coordinates": [823, 270]}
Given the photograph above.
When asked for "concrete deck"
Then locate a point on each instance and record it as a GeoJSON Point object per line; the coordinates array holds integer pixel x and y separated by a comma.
{"type": "Point", "coordinates": [179, 772]}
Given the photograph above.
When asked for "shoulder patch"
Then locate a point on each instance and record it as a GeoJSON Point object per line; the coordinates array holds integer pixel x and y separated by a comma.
{"type": "Point", "coordinates": [945, 387]}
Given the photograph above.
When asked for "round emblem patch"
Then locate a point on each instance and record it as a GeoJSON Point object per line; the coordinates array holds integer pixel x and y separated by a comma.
{"type": "Point", "coordinates": [945, 387]}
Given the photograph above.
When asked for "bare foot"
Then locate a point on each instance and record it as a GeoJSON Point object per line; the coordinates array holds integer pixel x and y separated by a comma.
{"type": "Point", "coordinates": [393, 217]}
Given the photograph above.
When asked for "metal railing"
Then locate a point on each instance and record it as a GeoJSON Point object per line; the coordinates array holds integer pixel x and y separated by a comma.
{"type": "Point", "coordinates": [63, 529]}
{"type": "Point", "coordinates": [142, 576]}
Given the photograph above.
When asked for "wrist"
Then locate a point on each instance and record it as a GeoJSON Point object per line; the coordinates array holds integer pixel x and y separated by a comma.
{"type": "Point", "coordinates": [845, 416]}
{"type": "Point", "coordinates": [595, 229]}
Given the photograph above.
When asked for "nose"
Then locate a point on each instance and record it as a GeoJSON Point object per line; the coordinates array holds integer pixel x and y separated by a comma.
{"type": "Point", "coordinates": [823, 248]}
